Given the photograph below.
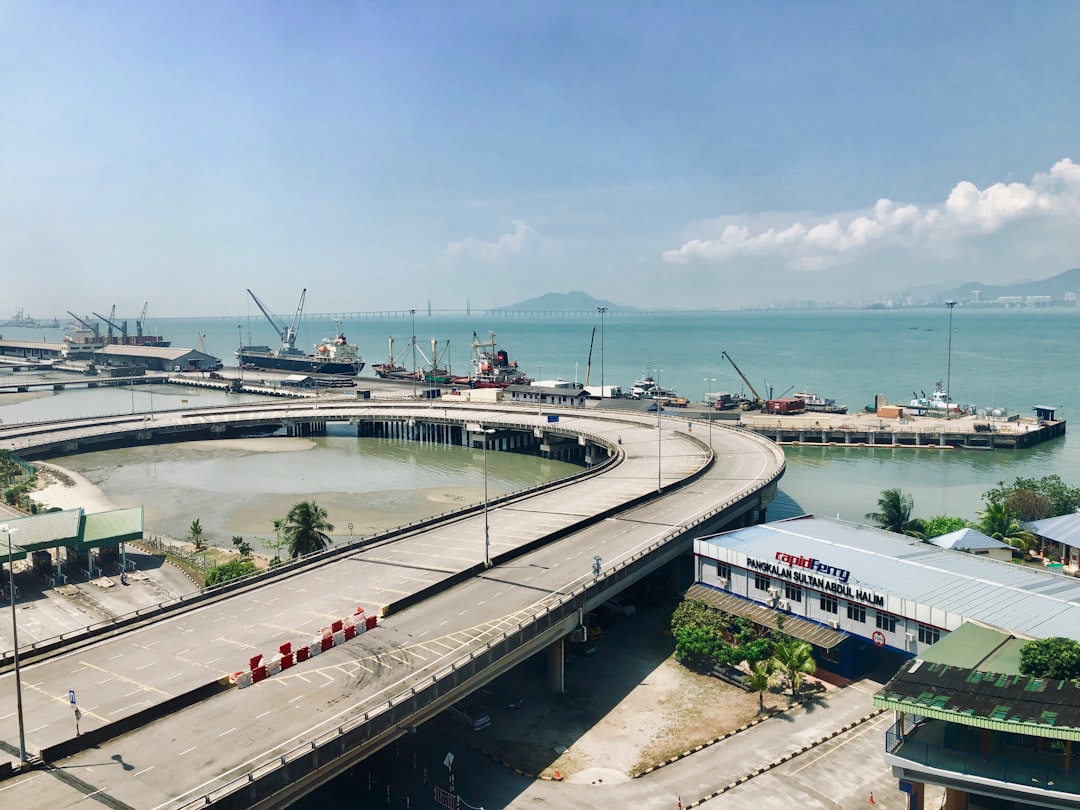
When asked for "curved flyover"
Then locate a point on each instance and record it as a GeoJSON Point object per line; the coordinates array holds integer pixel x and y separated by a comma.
{"type": "Point", "coordinates": [452, 624]}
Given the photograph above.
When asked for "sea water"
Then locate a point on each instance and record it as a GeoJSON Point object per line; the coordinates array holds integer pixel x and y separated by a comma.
{"type": "Point", "coordinates": [994, 358]}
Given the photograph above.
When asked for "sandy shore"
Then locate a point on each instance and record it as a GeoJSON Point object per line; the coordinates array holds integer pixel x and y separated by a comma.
{"type": "Point", "coordinates": [65, 489]}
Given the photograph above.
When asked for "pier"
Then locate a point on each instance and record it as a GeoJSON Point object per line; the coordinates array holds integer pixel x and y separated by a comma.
{"type": "Point", "coordinates": [928, 432]}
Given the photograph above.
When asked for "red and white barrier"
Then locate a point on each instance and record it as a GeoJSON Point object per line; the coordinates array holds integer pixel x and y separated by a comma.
{"type": "Point", "coordinates": [337, 633]}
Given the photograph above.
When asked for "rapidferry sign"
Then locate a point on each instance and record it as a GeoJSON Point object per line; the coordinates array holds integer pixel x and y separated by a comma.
{"type": "Point", "coordinates": [788, 569]}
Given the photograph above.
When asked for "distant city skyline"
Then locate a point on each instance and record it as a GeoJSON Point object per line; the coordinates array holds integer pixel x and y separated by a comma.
{"type": "Point", "coordinates": [679, 156]}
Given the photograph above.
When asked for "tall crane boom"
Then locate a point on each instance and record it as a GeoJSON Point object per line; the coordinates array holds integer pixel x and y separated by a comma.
{"type": "Point", "coordinates": [758, 401]}
{"type": "Point", "coordinates": [287, 334]}
{"type": "Point", "coordinates": [588, 363]}
{"type": "Point", "coordinates": [93, 327]}
{"type": "Point", "coordinates": [121, 328]}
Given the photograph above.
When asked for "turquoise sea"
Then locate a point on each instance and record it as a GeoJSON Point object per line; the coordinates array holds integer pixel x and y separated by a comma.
{"type": "Point", "coordinates": [999, 358]}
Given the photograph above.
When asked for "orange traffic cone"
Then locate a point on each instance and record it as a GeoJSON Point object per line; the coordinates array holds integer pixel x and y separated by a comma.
{"type": "Point", "coordinates": [558, 776]}
{"type": "Point", "coordinates": [871, 799]}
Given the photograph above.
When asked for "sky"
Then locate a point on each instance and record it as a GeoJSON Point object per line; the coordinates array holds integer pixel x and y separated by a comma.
{"type": "Point", "coordinates": [392, 155]}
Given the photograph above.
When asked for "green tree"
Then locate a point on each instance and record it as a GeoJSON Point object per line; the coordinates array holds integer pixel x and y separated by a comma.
{"type": "Point", "coordinates": [761, 679]}
{"type": "Point", "coordinates": [894, 514]}
{"type": "Point", "coordinates": [242, 546]}
{"type": "Point", "coordinates": [1036, 498]}
{"type": "Point", "coordinates": [943, 524]}
{"type": "Point", "coordinates": [795, 659]}
{"type": "Point", "coordinates": [226, 572]}
{"type": "Point", "coordinates": [1000, 522]}
{"type": "Point", "coordinates": [1054, 657]}
{"type": "Point", "coordinates": [305, 528]}
{"type": "Point", "coordinates": [699, 646]}
{"type": "Point", "coordinates": [196, 534]}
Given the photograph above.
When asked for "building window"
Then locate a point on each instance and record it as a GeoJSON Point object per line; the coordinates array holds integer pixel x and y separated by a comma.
{"type": "Point", "coordinates": [793, 593]}
{"type": "Point", "coordinates": [928, 635]}
{"type": "Point", "coordinates": [761, 582]}
{"type": "Point", "coordinates": [886, 622]}
{"type": "Point", "coordinates": [856, 612]}
{"type": "Point", "coordinates": [723, 570]}
{"type": "Point", "coordinates": [829, 603]}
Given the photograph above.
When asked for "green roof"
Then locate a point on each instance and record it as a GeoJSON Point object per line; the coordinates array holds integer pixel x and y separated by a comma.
{"type": "Point", "coordinates": [111, 528]}
{"type": "Point", "coordinates": [974, 680]}
{"type": "Point", "coordinates": [73, 528]}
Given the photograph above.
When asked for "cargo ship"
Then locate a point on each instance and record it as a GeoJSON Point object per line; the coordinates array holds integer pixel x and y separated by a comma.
{"type": "Point", "coordinates": [332, 355]}
{"type": "Point", "coordinates": [491, 368]}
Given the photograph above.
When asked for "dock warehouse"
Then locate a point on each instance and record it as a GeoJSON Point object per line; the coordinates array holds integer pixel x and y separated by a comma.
{"type": "Point", "coordinates": [157, 358]}
{"type": "Point", "coordinates": [867, 598]}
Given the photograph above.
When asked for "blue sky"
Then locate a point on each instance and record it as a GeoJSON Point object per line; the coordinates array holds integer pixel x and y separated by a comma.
{"type": "Point", "coordinates": [384, 154]}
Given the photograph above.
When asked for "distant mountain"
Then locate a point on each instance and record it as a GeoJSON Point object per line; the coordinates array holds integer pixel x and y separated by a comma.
{"type": "Point", "coordinates": [1056, 287]}
{"type": "Point", "coordinates": [565, 302]}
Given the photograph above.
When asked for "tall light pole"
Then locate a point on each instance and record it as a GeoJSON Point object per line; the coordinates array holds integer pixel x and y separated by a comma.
{"type": "Point", "coordinates": [948, 370]}
{"type": "Point", "coordinates": [601, 310]}
{"type": "Point", "coordinates": [659, 434]}
{"type": "Point", "coordinates": [712, 407]}
{"type": "Point", "coordinates": [15, 641]}
{"type": "Point", "coordinates": [413, 313]}
{"type": "Point", "coordinates": [487, 538]}
{"type": "Point", "coordinates": [240, 353]}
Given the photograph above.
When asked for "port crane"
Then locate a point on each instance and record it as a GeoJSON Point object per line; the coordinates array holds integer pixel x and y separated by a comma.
{"type": "Point", "coordinates": [758, 401]}
{"type": "Point", "coordinates": [588, 363]}
{"type": "Point", "coordinates": [286, 333]}
{"type": "Point", "coordinates": [122, 328]}
{"type": "Point", "coordinates": [93, 327]}
{"type": "Point", "coordinates": [141, 320]}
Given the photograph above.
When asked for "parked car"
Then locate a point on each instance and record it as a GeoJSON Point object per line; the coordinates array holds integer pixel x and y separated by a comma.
{"type": "Point", "coordinates": [471, 715]}
{"type": "Point", "coordinates": [619, 606]}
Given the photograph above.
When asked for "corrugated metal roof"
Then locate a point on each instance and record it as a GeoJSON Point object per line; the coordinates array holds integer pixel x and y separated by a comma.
{"type": "Point", "coordinates": [1061, 529]}
{"type": "Point", "coordinates": [47, 530]}
{"type": "Point", "coordinates": [967, 539]}
{"type": "Point", "coordinates": [816, 634]}
{"type": "Point", "coordinates": [110, 528]}
{"type": "Point", "coordinates": [1026, 601]}
{"type": "Point", "coordinates": [159, 352]}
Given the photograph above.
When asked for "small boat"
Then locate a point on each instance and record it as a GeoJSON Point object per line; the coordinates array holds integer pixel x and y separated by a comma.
{"type": "Point", "coordinates": [817, 404]}
{"type": "Point", "coordinates": [938, 402]}
{"type": "Point", "coordinates": [430, 372]}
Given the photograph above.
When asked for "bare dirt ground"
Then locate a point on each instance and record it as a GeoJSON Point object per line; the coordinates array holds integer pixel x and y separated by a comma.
{"type": "Point", "coordinates": [628, 706]}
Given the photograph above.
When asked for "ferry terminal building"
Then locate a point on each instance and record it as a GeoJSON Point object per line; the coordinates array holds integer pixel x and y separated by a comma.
{"type": "Point", "coordinates": [865, 598]}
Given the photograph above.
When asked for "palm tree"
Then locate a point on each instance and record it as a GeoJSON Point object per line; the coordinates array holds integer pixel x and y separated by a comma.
{"type": "Point", "coordinates": [762, 678]}
{"type": "Point", "coordinates": [1001, 523]}
{"type": "Point", "coordinates": [306, 529]}
{"type": "Point", "coordinates": [196, 532]}
{"type": "Point", "coordinates": [895, 514]}
{"type": "Point", "coordinates": [795, 659]}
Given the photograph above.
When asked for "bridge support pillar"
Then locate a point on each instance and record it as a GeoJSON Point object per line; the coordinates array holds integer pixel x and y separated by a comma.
{"type": "Point", "coordinates": [557, 667]}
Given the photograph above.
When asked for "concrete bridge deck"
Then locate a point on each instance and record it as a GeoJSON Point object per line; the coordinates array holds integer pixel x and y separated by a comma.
{"type": "Point", "coordinates": [367, 689]}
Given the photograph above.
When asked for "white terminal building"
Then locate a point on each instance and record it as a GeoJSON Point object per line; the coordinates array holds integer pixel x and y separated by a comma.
{"type": "Point", "coordinates": [867, 598]}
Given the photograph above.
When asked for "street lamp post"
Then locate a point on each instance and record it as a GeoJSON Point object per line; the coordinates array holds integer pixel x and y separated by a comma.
{"type": "Point", "coordinates": [412, 312]}
{"type": "Point", "coordinates": [601, 310]}
{"type": "Point", "coordinates": [487, 538]}
{"type": "Point", "coordinates": [948, 369]}
{"type": "Point", "coordinates": [711, 408]}
{"type": "Point", "coordinates": [659, 434]}
{"type": "Point", "coordinates": [15, 641]}
{"type": "Point", "coordinates": [240, 353]}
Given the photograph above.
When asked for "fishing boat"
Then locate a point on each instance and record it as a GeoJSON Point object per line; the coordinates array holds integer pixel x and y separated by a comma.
{"type": "Point", "coordinates": [817, 404]}
{"type": "Point", "coordinates": [491, 367]}
{"type": "Point", "coordinates": [391, 370]}
{"type": "Point", "coordinates": [332, 355]}
{"type": "Point", "coordinates": [938, 402]}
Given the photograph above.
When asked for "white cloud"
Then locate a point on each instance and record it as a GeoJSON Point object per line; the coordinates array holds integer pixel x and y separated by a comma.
{"type": "Point", "coordinates": [505, 245]}
{"type": "Point", "coordinates": [969, 213]}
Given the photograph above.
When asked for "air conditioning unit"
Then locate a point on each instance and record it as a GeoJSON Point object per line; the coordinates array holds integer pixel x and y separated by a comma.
{"type": "Point", "coordinates": [774, 592]}
{"type": "Point", "coordinates": [909, 637]}
{"type": "Point", "coordinates": [784, 604]}
{"type": "Point", "coordinates": [722, 582]}
{"type": "Point", "coordinates": [834, 624]}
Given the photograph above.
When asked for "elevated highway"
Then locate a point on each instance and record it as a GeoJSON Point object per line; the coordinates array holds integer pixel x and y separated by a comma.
{"type": "Point", "coordinates": [451, 623]}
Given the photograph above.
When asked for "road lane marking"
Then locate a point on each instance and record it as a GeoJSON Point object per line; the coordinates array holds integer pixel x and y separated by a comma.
{"type": "Point", "coordinates": [188, 751]}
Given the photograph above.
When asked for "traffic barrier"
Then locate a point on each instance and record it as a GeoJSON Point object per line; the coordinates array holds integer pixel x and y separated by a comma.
{"type": "Point", "coordinates": [255, 661]}
{"type": "Point", "coordinates": [302, 654]}
{"type": "Point", "coordinates": [286, 660]}
{"type": "Point", "coordinates": [327, 643]}
{"type": "Point", "coordinates": [258, 674]}
{"type": "Point", "coordinates": [244, 679]}
{"type": "Point", "coordinates": [372, 621]}
{"type": "Point", "coordinates": [285, 649]}
{"type": "Point", "coordinates": [336, 626]}
{"type": "Point", "coordinates": [350, 631]}
{"type": "Point", "coordinates": [339, 637]}
{"type": "Point", "coordinates": [273, 666]}
{"type": "Point", "coordinates": [315, 648]}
